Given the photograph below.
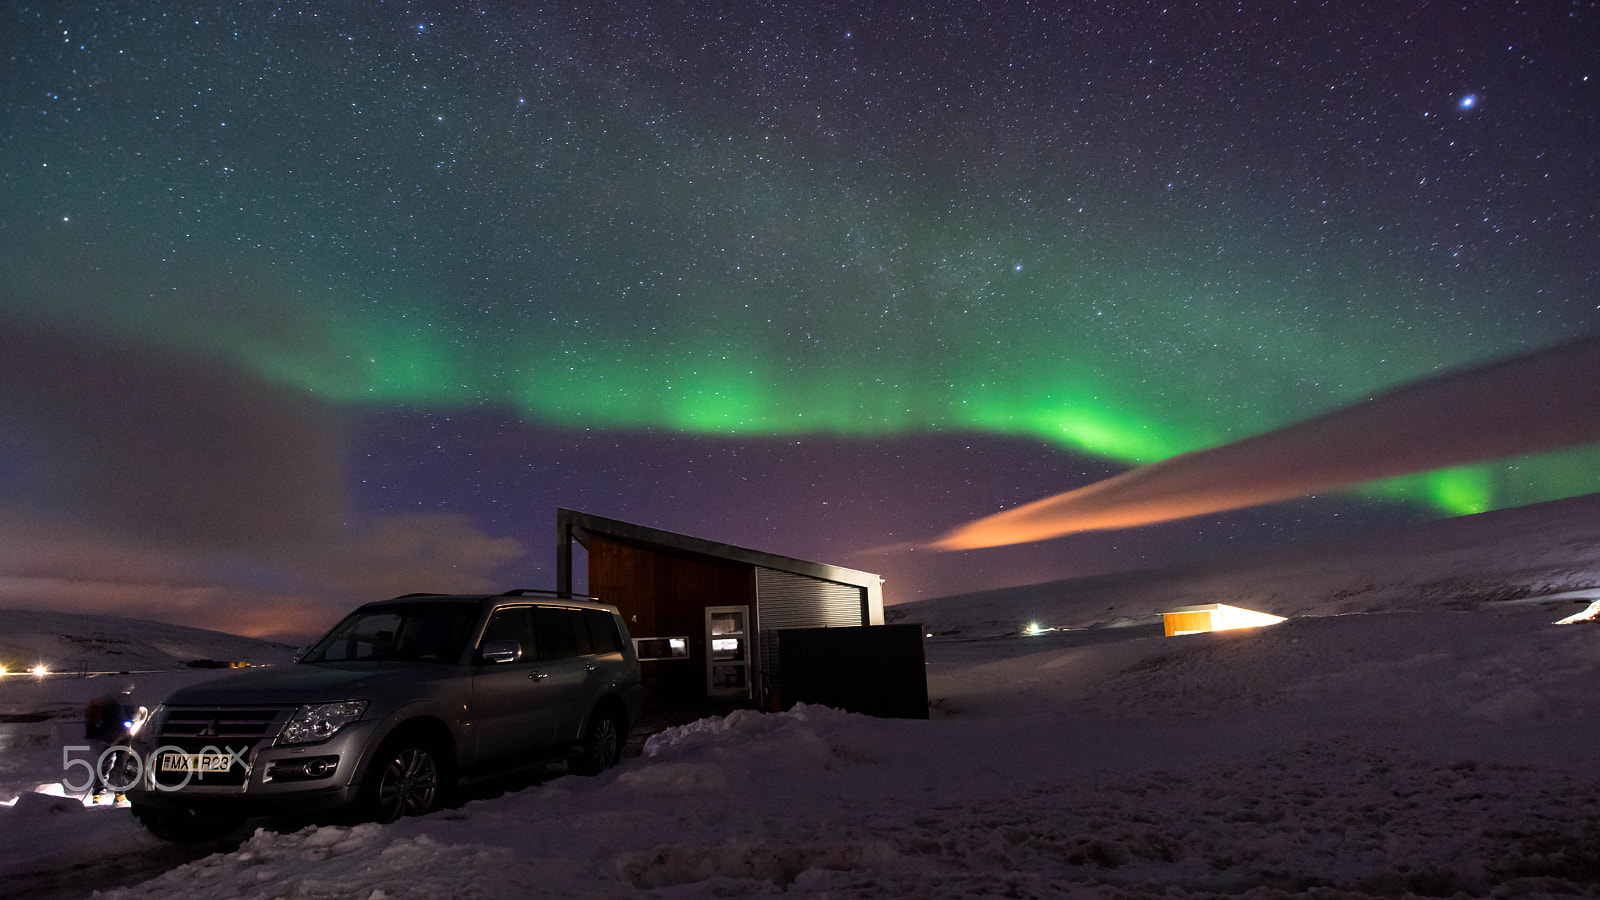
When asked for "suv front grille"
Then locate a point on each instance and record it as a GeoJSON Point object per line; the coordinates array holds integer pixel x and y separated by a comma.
{"type": "Point", "coordinates": [215, 730]}
{"type": "Point", "coordinates": [239, 724]}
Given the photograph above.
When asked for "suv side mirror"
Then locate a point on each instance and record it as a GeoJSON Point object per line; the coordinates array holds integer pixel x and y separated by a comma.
{"type": "Point", "coordinates": [502, 651]}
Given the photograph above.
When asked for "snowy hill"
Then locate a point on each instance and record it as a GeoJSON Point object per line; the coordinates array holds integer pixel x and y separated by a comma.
{"type": "Point", "coordinates": [68, 642]}
{"type": "Point", "coordinates": [1417, 727]}
{"type": "Point", "coordinates": [1514, 554]}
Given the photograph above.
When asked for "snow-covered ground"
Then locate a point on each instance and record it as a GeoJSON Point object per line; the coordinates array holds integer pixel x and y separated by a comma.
{"type": "Point", "coordinates": [1412, 741]}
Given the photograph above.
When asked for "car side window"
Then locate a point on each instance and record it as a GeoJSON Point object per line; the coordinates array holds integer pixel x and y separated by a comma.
{"type": "Point", "coordinates": [602, 631]}
{"type": "Point", "coordinates": [580, 630]}
{"type": "Point", "coordinates": [557, 639]}
{"type": "Point", "coordinates": [511, 624]}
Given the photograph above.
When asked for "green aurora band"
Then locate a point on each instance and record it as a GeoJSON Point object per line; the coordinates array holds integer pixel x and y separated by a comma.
{"type": "Point", "coordinates": [1134, 405]}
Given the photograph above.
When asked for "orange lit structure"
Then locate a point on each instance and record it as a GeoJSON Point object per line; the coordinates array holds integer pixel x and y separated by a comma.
{"type": "Point", "coordinates": [1213, 617]}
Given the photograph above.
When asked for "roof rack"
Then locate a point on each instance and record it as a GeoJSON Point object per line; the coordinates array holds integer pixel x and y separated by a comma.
{"type": "Point", "coordinates": [514, 592]}
{"type": "Point", "coordinates": [523, 592]}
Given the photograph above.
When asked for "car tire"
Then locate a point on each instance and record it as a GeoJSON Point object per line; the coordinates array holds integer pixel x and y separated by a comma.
{"type": "Point", "coordinates": [407, 778]}
{"type": "Point", "coordinates": [602, 744]}
{"type": "Point", "coordinates": [187, 826]}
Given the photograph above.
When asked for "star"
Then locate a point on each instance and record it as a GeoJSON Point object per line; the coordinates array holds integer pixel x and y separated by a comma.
{"type": "Point", "coordinates": [1469, 101]}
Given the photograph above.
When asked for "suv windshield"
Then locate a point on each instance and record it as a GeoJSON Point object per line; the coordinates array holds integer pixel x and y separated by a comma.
{"type": "Point", "coordinates": [413, 632]}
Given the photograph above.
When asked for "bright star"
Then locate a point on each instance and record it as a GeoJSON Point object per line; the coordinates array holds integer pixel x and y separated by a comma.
{"type": "Point", "coordinates": [1469, 101]}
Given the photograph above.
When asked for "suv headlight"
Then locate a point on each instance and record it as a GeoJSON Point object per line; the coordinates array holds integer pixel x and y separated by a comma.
{"type": "Point", "coordinates": [320, 722]}
{"type": "Point", "coordinates": [152, 723]}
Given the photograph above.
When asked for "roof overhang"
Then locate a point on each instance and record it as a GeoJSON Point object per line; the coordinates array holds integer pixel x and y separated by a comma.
{"type": "Point", "coordinates": [572, 525]}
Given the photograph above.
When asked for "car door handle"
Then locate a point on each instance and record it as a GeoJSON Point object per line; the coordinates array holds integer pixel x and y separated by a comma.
{"type": "Point", "coordinates": [538, 676]}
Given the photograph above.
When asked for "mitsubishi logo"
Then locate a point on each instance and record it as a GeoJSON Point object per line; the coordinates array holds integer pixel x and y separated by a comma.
{"type": "Point", "coordinates": [209, 731]}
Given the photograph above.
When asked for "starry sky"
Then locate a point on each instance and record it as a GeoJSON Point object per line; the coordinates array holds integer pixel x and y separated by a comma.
{"type": "Point", "coordinates": [304, 304]}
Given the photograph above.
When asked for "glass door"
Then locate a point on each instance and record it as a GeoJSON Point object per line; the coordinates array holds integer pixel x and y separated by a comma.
{"type": "Point", "coordinates": [728, 651]}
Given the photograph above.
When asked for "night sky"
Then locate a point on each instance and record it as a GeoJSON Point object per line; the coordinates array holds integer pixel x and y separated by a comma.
{"type": "Point", "coordinates": [303, 305]}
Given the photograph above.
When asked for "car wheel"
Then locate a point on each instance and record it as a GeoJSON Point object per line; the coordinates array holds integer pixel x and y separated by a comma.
{"type": "Point", "coordinates": [187, 826]}
{"type": "Point", "coordinates": [602, 745]}
{"type": "Point", "coordinates": [406, 779]}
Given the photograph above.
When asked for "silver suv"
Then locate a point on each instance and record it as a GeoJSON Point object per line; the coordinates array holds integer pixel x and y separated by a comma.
{"type": "Point", "coordinates": [396, 706]}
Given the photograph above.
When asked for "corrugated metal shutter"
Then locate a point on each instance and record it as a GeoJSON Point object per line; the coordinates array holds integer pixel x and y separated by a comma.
{"type": "Point", "coordinates": [787, 600]}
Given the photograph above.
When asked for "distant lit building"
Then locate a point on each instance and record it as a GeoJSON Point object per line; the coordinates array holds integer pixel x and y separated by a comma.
{"type": "Point", "coordinates": [1213, 617]}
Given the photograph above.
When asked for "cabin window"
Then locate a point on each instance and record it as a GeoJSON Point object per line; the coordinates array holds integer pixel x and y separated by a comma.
{"type": "Point", "coordinates": [661, 647]}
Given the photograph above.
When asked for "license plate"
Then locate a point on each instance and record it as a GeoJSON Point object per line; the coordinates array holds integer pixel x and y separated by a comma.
{"type": "Point", "coordinates": [198, 763]}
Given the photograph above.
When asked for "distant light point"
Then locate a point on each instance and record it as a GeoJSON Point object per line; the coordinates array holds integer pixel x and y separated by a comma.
{"type": "Point", "coordinates": [1469, 101]}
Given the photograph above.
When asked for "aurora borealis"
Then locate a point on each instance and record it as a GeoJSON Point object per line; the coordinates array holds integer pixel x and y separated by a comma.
{"type": "Point", "coordinates": [807, 277]}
